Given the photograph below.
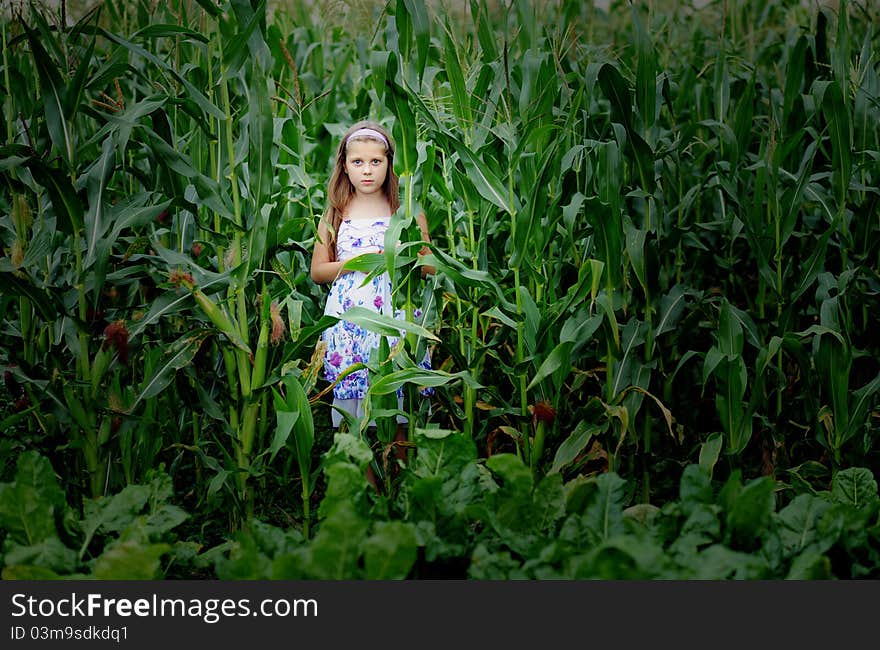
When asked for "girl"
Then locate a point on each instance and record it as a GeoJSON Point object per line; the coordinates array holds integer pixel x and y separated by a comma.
{"type": "Point", "coordinates": [362, 196]}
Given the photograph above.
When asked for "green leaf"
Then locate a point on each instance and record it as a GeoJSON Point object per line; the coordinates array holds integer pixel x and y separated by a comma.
{"type": "Point", "coordinates": [382, 324]}
{"type": "Point", "coordinates": [53, 93]}
{"type": "Point", "coordinates": [559, 359]}
{"type": "Point", "coordinates": [750, 513]}
{"type": "Point", "coordinates": [96, 182]}
{"type": "Point", "coordinates": [604, 515]}
{"type": "Point", "coordinates": [260, 168]}
{"type": "Point", "coordinates": [718, 562]}
{"type": "Point", "coordinates": [48, 303]}
{"type": "Point", "coordinates": [512, 472]}
{"type": "Point", "coordinates": [390, 551]}
{"type": "Point", "coordinates": [335, 551]}
{"type": "Point", "coordinates": [442, 453]}
{"type": "Point", "coordinates": [484, 180]}
{"type": "Point", "coordinates": [671, 308]}
{"type": "Point", "coordinates": [192, 92]}
{"type": "Point", "coordinates": [294, 414]}
{"type": "Point", "coordinates": [461, 100]}
{"type": "Point", "coordinates": [616, 89]}
{"type": "Point", "coordinates": [799, 524]}
{"type": "Point", "coordinates": [576, 442]}
{"type": "Point", "coordinates": [840, 132]}
{"type": "Point", "coordinates": [163, 519]}
{"type": "Point", "coordinates": [421, 26]}
{"type": "Point", "coordinates": [730, 333]}
{"type": "Point", "coordinates": [67, 204]}
{"type": "Point", "coordinates": [114, 513]}
{"type": "Point", "coordinates": [29, 504]}
{"type": "Point", "coordinates": [859, 406]}
{"type": "Point", "coordinates": [50, 554]}
{"type": "Point", "coordinates": [646, 71]}
{"type": "Point", "coordinates": [390, 382]}
{"type": "Point", "coordinates": [810, 566]}
{"type": "Point", "coordinates": [855, 486]}
{"type": "Point", "coordinates": [710, 451]}
{"type": "Point", "coordinates": [695, 488]}
{"type": "Point", "coordinates": [160, 30]}
{"type": "Point", "coordinates": [285, 420]}
{"type": "Point", "coordinates": [794, 76]}
{"type": "Point", "coordinates": [179, 354]}
{"type": "Point", "coordinates": [130, 560]}
{"type": "Point", "coordinates": [814, 265]}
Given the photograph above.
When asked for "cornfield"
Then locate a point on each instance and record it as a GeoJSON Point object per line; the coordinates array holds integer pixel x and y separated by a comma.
{"type": "Point", "coordinates": [657, 241]}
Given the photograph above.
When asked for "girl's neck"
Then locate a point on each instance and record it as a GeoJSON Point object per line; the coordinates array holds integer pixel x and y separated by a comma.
{"type": "Point", "coordinates": [367, 207]}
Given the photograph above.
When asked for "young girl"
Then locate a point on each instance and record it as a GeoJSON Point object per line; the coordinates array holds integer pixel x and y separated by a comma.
{"type": "Point", "coordinates": [361, 198]}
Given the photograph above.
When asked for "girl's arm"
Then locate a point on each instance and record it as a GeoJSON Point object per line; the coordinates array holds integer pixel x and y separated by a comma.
{"type": "Point", "coordinates": [426, 237]}
{"type": "Point", "coordinates": [323, 270]}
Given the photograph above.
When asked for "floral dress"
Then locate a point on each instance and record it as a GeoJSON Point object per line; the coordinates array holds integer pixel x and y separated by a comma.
{"type": "Point", "coordinates": [346, 342]}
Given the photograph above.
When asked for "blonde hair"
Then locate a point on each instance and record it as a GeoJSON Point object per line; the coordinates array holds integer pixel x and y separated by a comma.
{"type": "Point", "coordinates": [339, 188]}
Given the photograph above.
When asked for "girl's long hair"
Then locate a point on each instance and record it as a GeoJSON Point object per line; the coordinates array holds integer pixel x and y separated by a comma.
{"type": "Point", "coordinates": [340, 190]}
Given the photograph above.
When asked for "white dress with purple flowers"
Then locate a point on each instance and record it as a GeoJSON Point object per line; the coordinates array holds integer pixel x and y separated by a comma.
{"type": "Point", "coordinates": [348, 343]}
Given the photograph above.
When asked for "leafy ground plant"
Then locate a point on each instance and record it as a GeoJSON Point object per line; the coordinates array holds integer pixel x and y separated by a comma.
{"type": "Point", "coordinates": [128, 536]}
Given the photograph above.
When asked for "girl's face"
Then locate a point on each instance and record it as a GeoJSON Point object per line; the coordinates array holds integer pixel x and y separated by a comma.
{"type": "Point", "coordinates": [366, 165]}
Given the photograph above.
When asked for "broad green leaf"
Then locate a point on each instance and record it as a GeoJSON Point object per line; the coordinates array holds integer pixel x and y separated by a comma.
{"type": "Point", "coordinates": [131, 559]}
{"type": "Point", "coordinates": [180, 354]}
{"type": "Point", "coordinates": [604, 515]}
{"type": "Point", "coordinates": [671, 308]}
{"type": "Point", "coordinates": [284, 422]}
{"type": "Point", "coordinates": [718, 562]}
{"type": "Point", "coordinates": [513, 473]}
{"type": "Point", "coordinates": [559, 359]}
{"type": "Point", "coordinates": [390, 551]}
{"type": "Point", "coordinates": [810, 566]}
{"type": "Point", "coordinates": [461, 101]}
{"type": "Point", "coordinates": [192, 92]}
{"type": "Point", "coordinates": [50, 554]}
{"type": "Point", "coordinates": [799, 524]}
{"type": "Point", "coordinates": [68, 206]}
{"type": "Point", "coordinates": [484, 180]}
{"type": "Point", "coordinates": [421, 27]}
{"type": "Point", "coordinates": [163, 519]}
{"type": "Point", "coordinates": [53, 92]}
{"type": "Point", "coordinates": [860, 404]}
{"type": "Point", "coordinates": [730, 333]}
{"type": "Point", "coordinates": [29, 504]}
{"type": "Point", "coordinates": [855, 486]}
{"type": "Point", "coordinates": [575, 443]}
{"type": "Point", "coordinates": [616, 89]}
{"type": "Point", "coordinates": [389, 383]}
{"type": "Point", "coordinates": [814, 265]}
{"type": "Point", "coordinates": [840, 132]}
{"type": "Point", "coordinates": [382, 324]}
{"type": "Point", "coordinates": [646, 71]}
{"type": "Point", "coordinates": [695, 488]}
{"type": "Point", "coordinates": [295, 415]}
{"type": "Point", "coordinates": [160, 30]}
{"type": "Point", "coordinates": [260, 165]}
{"type": "Point", "coordinates": [710, 451]}
{"type": "Point", "coordinates": [794, 76]}
{"type": "Point", "coordinates": [113, 514]}
{"type": "Point", "coordinates": [751, 511]}
{"type": "Point", "coordinates": [97, 177]}
{"type": "Point", "coordinates": [336, 550]}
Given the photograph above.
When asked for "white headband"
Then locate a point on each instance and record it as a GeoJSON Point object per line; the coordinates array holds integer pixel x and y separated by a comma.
{"type": "Point", "coordinates": [370, 133]}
